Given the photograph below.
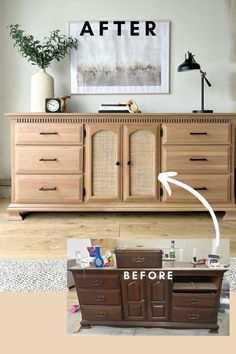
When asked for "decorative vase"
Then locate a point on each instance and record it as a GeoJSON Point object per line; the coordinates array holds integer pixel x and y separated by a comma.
{"type": "Point", "coordinates": [98, 261]}
{"type": "Point", "coordinates": [42, 86]}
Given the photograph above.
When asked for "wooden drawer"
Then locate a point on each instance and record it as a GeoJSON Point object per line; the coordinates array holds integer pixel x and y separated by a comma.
{"type": "Point", "coordinates": [126, 258]}
{"type": "Point", "coordinates": [97, 281]}
{"type": "Point", "coordinates": [49, 134]}
{"type": "Point", "coordinates": [215, 188]}
{"type": "Point", "coordinates": [193, 300]}
{"type": "Point", "coordinates": [202, 133]}
{"type": "Point", "coordinates": [196, 159]}
{"type": "Point", "coordinates": [101, 313]}
{"type": "Point", "coordinates": [49, 189]}
{"type": "Point", "coordinates": [50, 159]}
{"type": "Point", "coordinates": [103, 296]}
{"type": "Point", "coordinates": [194, 315]}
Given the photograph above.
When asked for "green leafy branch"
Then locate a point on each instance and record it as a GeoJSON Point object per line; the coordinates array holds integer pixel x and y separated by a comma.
{"type": "Point", "coordinates": [56, 46]}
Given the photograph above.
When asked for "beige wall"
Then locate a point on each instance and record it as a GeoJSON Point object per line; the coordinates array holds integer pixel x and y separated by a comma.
{"type": "Point", "coordinates": [202, 27]}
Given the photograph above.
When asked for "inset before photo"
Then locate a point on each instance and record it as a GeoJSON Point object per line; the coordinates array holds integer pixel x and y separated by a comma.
{"type": "Point", "coordinates": [148, 287]}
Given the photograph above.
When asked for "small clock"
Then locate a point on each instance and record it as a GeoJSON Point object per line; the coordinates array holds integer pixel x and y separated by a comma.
{"type": "Point", "coordinates": [53, 105]}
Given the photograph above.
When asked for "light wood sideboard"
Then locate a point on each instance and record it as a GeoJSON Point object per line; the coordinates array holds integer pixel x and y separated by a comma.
{"type": "Point", "coordinates": [110, 162]}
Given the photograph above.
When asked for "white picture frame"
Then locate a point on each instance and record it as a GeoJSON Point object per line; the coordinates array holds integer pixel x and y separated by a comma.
{"type": "Point", "coordinates": [125, 64]}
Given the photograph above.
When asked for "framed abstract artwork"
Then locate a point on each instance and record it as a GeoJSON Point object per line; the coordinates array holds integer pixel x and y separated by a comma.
{"type": "Point", "coordinates": [117, 59]}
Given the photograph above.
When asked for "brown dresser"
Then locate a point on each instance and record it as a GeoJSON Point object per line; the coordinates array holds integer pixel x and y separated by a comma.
{"type": "Point", "coordinates": [110, 162]}
{"type": "Point", "coordinates": [189, 300]}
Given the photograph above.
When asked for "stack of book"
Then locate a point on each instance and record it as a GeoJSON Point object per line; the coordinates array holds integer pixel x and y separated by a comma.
{"type": "Point", "coordinates": [113, 108]}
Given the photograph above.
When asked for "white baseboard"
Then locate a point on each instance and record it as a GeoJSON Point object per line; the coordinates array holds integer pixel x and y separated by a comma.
{"type": "Point", "coordinates": [5, 188]}
{"type": "Point", "coordinates": [5, 182]}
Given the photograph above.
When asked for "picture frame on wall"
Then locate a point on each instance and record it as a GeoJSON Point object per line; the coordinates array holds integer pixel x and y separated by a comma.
{"type": "Point", "coordinates": [120, 64]}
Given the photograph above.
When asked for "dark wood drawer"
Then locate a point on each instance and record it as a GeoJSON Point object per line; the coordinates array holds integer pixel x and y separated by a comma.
{"type": "Point", "coordinates": [138, 258]}
{"type": "Point", "coordinates": [97, 281]}
{"type": "Point", "coordinates": [194, 315]}
{"type": "Point", "coordinates": [101, 313]}
{"type": "Point", "coordinates": [104, 297]}
{"type": "Point", "coordinates": [194, 300]}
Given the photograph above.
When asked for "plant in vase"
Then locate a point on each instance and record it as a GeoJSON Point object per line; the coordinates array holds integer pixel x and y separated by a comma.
{"type": "Point", "coordinates": [55, 47]}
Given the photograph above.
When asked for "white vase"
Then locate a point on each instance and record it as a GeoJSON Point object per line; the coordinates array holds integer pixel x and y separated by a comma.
{"type": "Point", "coordinates": [42, 86]}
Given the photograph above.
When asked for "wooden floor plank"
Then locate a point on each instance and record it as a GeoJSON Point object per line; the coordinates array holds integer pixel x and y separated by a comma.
{"type": "Point", "coordinates": [43, 235]}
{"type": "Point", "coordinates": [72, 298]}
{"type": "Point", "coordinates": [156, 217]}
{"type": "Point", "coordinates": [190, 229]}
{"type": "Point", "coordinates": [32, 248]}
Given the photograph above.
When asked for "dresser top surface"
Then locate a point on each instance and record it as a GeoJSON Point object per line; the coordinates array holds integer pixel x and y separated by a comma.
{"type": "Point", "coordinates": [166, 265]}
{"type": "Point", "coordinates": [71, 114]}
{"type": "Point", "coordinates": [142, 118]}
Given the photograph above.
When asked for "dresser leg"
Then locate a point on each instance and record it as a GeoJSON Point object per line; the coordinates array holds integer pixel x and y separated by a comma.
{"type": "Point", "coordinates": [214, 330]}
{"type": "Point", "coordinates": [14, 215]}
{"type": "Point", "coordinates": [85, 327]}
{"type": "Point", "coordinates": [230, 215]}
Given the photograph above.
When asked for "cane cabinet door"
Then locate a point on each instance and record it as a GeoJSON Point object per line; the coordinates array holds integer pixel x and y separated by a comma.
{"type": "Point", "coordinates": [141, 162]}
{"type": "Point", "coordinates": [158, 299]}
{"type": "Point", "coordinates": [133, 296]}
{"type": "Point", "coordinates": [103, 163]}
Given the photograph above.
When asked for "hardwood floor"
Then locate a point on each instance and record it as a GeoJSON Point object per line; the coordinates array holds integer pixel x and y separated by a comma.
{"type": "Point", "coordinates": [72, 298]}
{"type": "Point", "coordinates": [44, 235]}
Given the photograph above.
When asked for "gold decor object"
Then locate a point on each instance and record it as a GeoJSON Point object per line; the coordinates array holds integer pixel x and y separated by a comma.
{"type": "Point", "coordinates": [132, 106]}
{"type": "Point", "coordinates": [63, 103]}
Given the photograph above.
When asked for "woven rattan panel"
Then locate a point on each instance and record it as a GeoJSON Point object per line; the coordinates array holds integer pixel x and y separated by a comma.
{"type": "Point", "coordinates": [104, 169]}
{"type": "Point", "coordinates": [142, 154]}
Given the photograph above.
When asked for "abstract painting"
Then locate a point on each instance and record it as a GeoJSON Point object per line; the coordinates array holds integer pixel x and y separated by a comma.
{"type": "Point", "coordinates": [119, 64]}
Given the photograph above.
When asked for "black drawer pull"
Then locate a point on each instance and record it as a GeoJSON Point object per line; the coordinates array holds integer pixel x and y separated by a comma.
{"type": "Point", "coordinates": [198, 133]}
{"type": "Point", "coordinates": [128, 163]}
{"type": "Point", "coordinates": [96, 282]}
{"type": "Point", "coordinates": [200, 189]}
{"type": "Point", "coordinates": [48, 133]}
{"type": "Point", "coordinates": [198, 159]}
{"type": "Point", "coordinates": [48, 159]}
{"type": "Point", "coordinates": [43, 189]}
{"type": "Point", "coordinates": [193, 316]}
{"type": "Point", "coordinates": [100, 314]}
{"type": "Point", "coordinates": [138, 259]}
{"type": "Point", "coordinates": [118, 163]}
{"type": "Point", "coordinates": [194, 302]}
{"type": "Point", "coordinates": [99, 297]}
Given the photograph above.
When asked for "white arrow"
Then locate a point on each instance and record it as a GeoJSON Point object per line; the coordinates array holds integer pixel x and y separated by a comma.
{"type": "Point", "coordinates": [165, 179]}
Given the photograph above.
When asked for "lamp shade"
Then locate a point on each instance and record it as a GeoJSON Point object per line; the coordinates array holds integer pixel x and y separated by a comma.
{"type": "Point", "coordinates": [189, 63]}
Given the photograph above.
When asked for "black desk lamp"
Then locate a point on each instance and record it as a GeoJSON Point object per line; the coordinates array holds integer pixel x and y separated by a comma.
{"type": "Point", "coordinates": [190, 64]}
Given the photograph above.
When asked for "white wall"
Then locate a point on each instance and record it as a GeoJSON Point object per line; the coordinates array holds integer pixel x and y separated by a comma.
{"type": "Point", "coordinates": [184, 247]}
{"type": "Point", "coordinates": [202, 27]}
{"type": "Point", "coordinates": [75, 244]}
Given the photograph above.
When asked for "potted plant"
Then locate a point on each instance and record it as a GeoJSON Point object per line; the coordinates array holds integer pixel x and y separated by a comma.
{"type": "Point", "coordinates": [54, 47]}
